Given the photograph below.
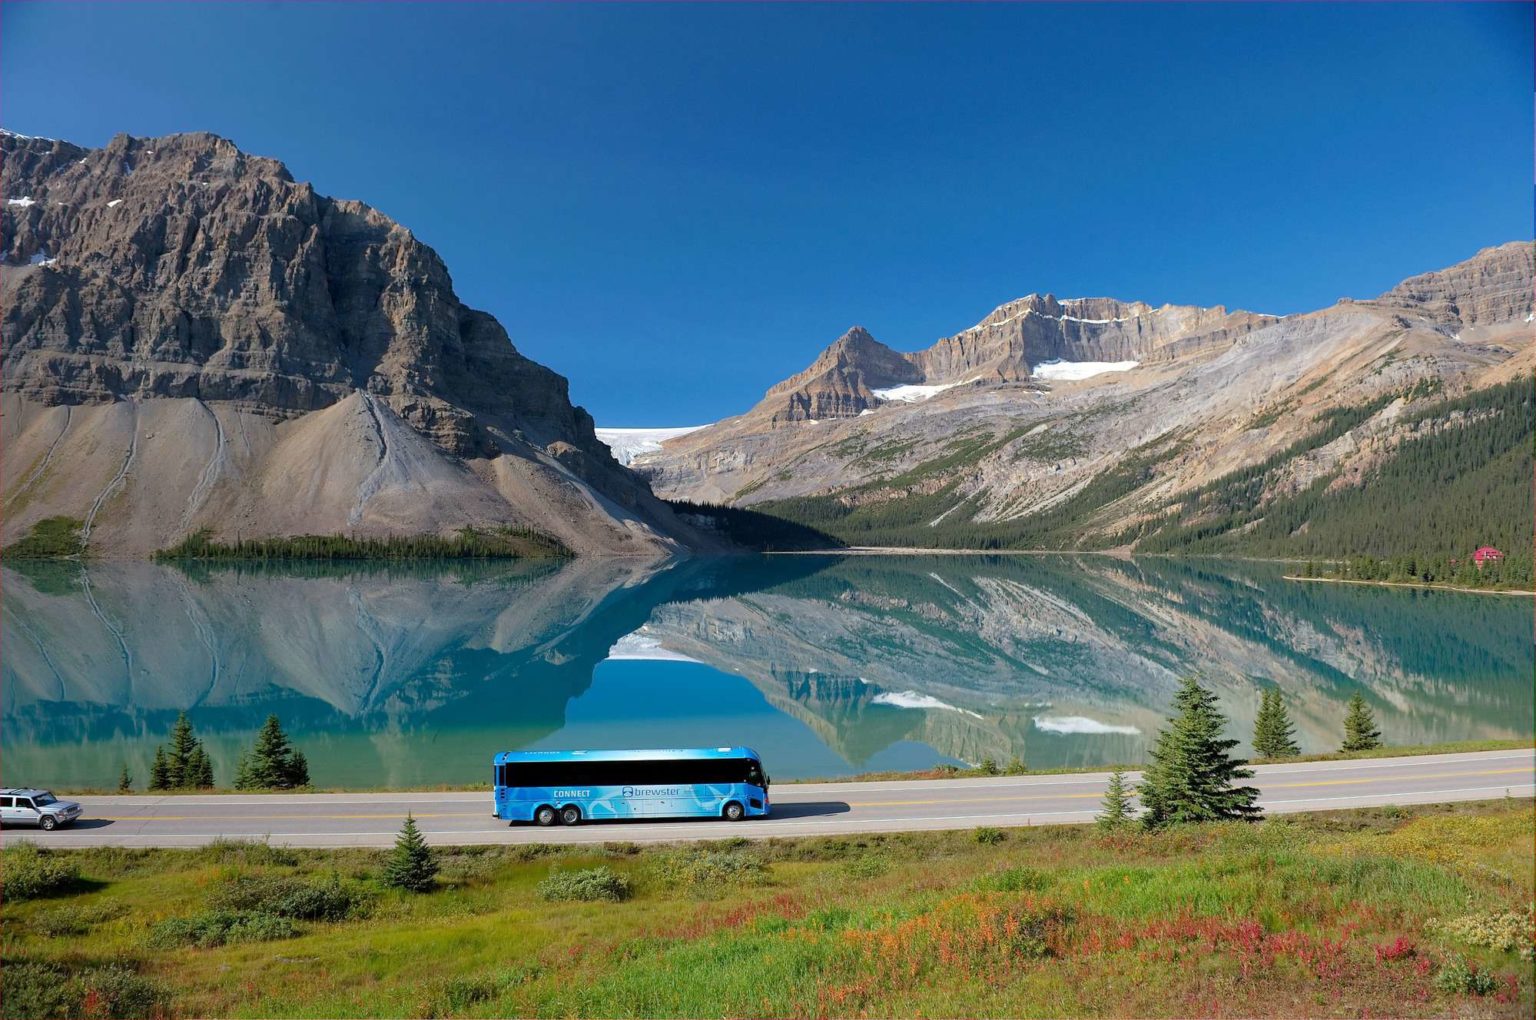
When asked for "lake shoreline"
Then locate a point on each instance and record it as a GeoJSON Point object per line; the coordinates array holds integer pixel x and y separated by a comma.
{"type": "Point", "coordinates": [1427, 586]}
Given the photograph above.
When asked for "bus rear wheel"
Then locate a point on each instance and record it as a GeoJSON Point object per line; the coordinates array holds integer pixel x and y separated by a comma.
{"type": "Point", "coordinates": [570, 814]}
{"type": "Point", "coordinates": [545, 815]}
{"type": "Point", "coordinates": [733, 812]}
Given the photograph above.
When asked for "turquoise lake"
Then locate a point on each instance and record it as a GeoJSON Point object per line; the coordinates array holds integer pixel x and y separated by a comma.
{"type": "Point", "coordinates": [828, 665]}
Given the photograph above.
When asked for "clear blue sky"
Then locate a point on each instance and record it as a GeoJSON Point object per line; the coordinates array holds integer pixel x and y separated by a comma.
{"type": "Point", "coordinates": [678, 205]}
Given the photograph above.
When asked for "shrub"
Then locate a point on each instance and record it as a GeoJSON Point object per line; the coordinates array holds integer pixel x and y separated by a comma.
{"type": "Point", "coordinates": [986, 835]}
{"type": "Point", "coordinates": [704, 868]}
{"type": "Point", "coordinates": [1458, 977]}
{"type": "Point", "coordinates": [218, 928]}
{"type": "Point", "coordinates": [253, 852]}
{"type": "Point", "coordinates": [1508, 932]}
{"type": "Point", "coordinates": [285, 896]}
{"type": "Point", "coordinates": [1012, 880]}
{"type": "Point", "coordinates": [988, 767]}
{"type": "Point", "coordinates": [869, 866]}
{"type": "Point", "coordinates": [588, 885]}
{"type": "Point", "coordinates": [27, 872]}
{"type": "Point", "coordinates": [76, 920]}
{"type": "Point", "coordinates": [44, 991]}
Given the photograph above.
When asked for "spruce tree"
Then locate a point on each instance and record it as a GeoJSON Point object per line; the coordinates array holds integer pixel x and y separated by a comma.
{"type": "Point", "coordinates": [124, 781]}
{"type": "Point", "coordinates": [412, 865]}
{"type": "Point", "coordinates": [1192, 773]}
{"type": "Point", "coordinates": [159, 772]}
{"type": "Point", "coordinates": [1117, 813]}
{"type": "Point", "coordinates": [1360, 732]}
{"type": "Point", "coordinates": [1273, 734]}
{"type": "Point", "coordinates": [178, 760]}
{"type": "Point", "coordinates": [274, 763]}
{"type": "Point", "coordinates": [199, 773]}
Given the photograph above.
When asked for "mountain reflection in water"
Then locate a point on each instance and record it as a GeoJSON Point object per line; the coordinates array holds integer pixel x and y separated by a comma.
{"type": "Point", "coordinates": [396, 676]}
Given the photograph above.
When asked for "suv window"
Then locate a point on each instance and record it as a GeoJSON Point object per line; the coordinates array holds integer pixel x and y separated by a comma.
{"type": "Point", "coordinates": [23, 802]}
{"type": "Point", "coordinates": [45, 800]}
{"type": "Point", "coordinates": [7, 801]}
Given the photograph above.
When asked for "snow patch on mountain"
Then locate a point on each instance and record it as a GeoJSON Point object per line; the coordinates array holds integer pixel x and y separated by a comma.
{"type": "Point", "coordinates": [1071, 371]}
{"type": "Point", "coordinates": [911, 393]}
{"type": "Point", "coordinates": [640, 645]}
{"type": "Point", "coordinates": [627, 444]}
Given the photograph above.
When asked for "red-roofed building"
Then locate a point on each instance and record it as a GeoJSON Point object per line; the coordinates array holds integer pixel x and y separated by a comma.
{"type": "Point", "coordinates": [1486, 554]}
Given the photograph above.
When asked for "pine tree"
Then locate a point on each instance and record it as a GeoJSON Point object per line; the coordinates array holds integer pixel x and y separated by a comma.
{"type": "Point", "coordinates": [1191, 775]}
{"type": "Point", "coordinates": [178, 759]}
{"type": "Point", "coordinates": [1360, 732]}
{"type": "Point", "coordinates": [1117, 813]}
{"type": "Point", "coordinates": [1274, 736]}
{"type": "Point", "coordinates": [412, 865]}
{"type": "Point", "coordinates": [124, 781]}
{"type": "Point", "coordinates": [273, 764]}
{"type": "Point", "coordinates": [159, 772]}
{"type": "Point", "coordinates": [198, 774]}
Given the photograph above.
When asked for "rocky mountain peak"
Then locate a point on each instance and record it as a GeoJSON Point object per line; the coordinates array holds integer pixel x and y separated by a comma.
{"type": "Point", "coordinates": [1492, 286]}
{"type": "Point", "coordinates": [183, 269]}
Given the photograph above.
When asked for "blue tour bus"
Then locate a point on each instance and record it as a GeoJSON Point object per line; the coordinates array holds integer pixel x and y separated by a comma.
{"type": "Point", "coordinates": [570, 786]}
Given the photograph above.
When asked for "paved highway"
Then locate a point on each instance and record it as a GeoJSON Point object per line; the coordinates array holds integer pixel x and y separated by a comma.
{"type": "Point", "coordinates": [373, 819]}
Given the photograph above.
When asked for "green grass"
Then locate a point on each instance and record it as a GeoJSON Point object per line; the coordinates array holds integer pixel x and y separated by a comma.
{"type": "Point", "coordinates": [49, 539]}
{"type": "Point", "coordinates": [466, 543]}
{"type": "Point", "coordinates": [1346, 913]}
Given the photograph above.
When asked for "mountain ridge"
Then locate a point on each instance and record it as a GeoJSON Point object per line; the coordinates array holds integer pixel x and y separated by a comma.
{"type": "Point", "coordinates": [1209, 393]}
{"type": "Point", "coordinates": [280, 340]}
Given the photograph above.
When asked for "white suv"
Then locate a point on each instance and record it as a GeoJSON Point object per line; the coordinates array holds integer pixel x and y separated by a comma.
{"type": "Point", "coordinates": [36, 807]}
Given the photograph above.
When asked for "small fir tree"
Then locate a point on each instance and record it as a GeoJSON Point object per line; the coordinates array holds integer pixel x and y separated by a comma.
{"type": "Point", "coordinates": [1192, 774]}
{"type": "Point", "coordinates": [1116, 813]}
{"type": "Point", "coordinates": [1274, 736]}
{"type": "Point", "coordinates": [412, 865]}
{"type": "Point", "coordinates": [274, 763]}
{"type": "Point", "coordinates": [124, 781]}
{"type": "Point", "coordinates": [199, 774]}
{"type": "Point", "coordinates": [178, 759]}
{"type": "Point", "coordinates": [159, 772]}
{"type": "Point", "coordinates": [1360, 732]}
{"type": "Point", "coordinates": [1015, 767]}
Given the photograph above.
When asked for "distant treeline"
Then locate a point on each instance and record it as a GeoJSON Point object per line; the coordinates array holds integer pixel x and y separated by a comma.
{"type": "Point", "coordinates": [1513, 571]}
{"type": "Point", "coordinates": [466, 543]}
{"type": "Point", "coordinates": [753, 530]}
{"type": "Point", "coordinates": [1462, 478]}
{"type": "Point", "coordinates": [52, 538]}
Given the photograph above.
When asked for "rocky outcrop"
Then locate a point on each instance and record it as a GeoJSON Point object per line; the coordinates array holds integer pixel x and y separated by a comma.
{"type": "Point", "coordinates": [841, 382]}
{"type": "Point", "coordinates": [1493, 287]}
{"type": "Point", "coordinates": [268, 329]}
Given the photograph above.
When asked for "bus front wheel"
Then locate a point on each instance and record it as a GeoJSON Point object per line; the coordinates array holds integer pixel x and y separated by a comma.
{"type": "Point", "coordinates": [570, 814]}
{"type": "Point", "coordinates": [545, 815]}
{"type": "Point", "coordinates": [734, 812]}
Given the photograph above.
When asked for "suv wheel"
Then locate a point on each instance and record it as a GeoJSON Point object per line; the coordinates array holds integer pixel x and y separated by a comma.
{"type": "Point", "coordinates": [48, 822]}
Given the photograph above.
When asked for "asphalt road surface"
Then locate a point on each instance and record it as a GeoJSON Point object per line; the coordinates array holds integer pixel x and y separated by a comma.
{"type": "Point", "coordinates": [373, 819]}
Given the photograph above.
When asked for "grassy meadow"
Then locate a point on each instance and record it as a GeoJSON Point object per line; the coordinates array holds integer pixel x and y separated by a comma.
{"type": "Point", "coordinates": [1401, 912]}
